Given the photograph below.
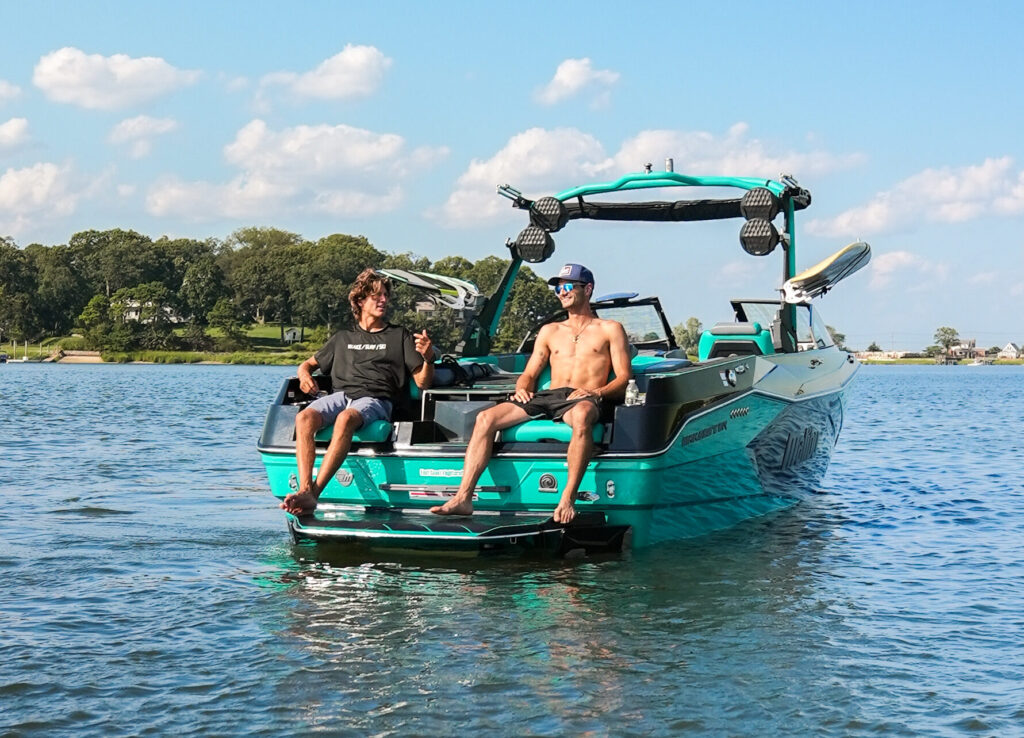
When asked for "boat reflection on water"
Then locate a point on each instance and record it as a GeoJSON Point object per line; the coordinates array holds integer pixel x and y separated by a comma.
{"type": "Point", "coordinates": [560, 645]}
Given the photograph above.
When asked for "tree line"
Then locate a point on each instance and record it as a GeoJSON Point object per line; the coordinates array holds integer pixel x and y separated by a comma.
{"type": "Point", "coordinates": [122, 290]}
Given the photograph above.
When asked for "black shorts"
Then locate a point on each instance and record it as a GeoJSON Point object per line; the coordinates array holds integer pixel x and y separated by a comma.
{"type": "Point", "coordinates": [552, 403]}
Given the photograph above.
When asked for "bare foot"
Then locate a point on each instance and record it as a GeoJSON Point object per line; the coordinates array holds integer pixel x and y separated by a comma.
{"type": "Point", "coordinates": [454, 506]}
{"type": "Point", "coordinates": [564, 513]}
{"type": "Point", "coordinates": [299, 503]}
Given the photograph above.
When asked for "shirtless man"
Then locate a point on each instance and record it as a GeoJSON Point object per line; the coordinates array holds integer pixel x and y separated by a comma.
{"type": "Point", "coordinates": [583, 350]}
{"type": "Point", "coordinates": [368, 366]}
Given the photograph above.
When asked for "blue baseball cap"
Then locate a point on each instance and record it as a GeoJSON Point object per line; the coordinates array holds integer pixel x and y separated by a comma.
{"type": "Point", "coordinates": [573, 273]}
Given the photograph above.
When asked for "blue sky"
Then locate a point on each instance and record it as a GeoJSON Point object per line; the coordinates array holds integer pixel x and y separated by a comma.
{"type": "Point", "coordinates": [396, 120]}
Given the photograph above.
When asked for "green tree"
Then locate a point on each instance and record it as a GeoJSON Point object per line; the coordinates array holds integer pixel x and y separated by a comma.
{"type": "Point", "coordinates": [874, 347]}
{"type": "Point", "coordinates": [145, 314]}
{"type": "Point", "coordinates": [687, 335]}
{"type": "Point", "coordinates": [946, 337]}
{"type": "Point", "coordinates": [203, 284]}
{"type": "Point", "coordinates": [95, 321]}
{"type": "Point", "coordinates": [529, 301]}
{"type": "Point", "coordinates": [227, 317]}
{"type": "Point", "coordinates": [62, 292]}
{"type": "Point", "coordinates": [18, 315]}
{"type": "Point", "coordinates": [114, 259]}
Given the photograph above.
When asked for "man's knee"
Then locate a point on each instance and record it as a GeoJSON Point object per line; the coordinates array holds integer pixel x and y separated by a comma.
{"type": "Point", "coordinates": [348, 420]}
{"type": "Point", "coordinates": [581, 418]}
{"type": "Point", "coordinates": [485, 422]}
{"type": "Point", "coordinates": [309, 420]}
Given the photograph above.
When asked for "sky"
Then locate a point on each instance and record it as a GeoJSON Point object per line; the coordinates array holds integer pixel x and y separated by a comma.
{"type": "Point", "coordinates": [396, 120]}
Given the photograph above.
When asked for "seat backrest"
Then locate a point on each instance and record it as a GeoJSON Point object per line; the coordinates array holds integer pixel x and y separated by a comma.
{"type": "Point", "coordinates": [742, 339]}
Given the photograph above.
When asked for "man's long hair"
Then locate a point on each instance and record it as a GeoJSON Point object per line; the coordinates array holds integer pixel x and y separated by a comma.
{"type": "Point", "coordinates": [367, 283]}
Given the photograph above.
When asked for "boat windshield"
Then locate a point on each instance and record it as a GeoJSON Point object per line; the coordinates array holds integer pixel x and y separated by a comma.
{"type": "Point", "coordinates": [642, 323]}
{"type": "Point", "coordinates": [811, 332]}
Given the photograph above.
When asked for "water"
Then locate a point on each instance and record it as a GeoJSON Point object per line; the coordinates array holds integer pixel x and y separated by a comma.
{"type": "Point", "coordinates": [148, 586]}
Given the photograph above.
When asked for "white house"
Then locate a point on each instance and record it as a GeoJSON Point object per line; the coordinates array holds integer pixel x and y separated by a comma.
{"type": "Point", "coordinates": [291, 335]}
{"type": "Point", "coordinates": [133, 311]}
{"type": "Point", "coordinates": [1010, 351]}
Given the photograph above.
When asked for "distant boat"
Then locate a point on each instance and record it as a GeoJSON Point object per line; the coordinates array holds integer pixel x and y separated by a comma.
{"type": "Point", "coordinates": [981, 362]}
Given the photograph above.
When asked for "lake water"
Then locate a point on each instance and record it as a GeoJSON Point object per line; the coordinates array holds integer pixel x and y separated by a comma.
{"type": "Point", "coordinates": [148, 585]}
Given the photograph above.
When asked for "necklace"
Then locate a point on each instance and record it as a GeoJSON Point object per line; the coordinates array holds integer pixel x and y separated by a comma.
{"type": "Point", "coordinates": [576, 336]}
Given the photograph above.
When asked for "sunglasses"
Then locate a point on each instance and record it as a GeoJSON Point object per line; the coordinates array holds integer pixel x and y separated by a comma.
{"type": "Point", "coordinates": [565, 287]}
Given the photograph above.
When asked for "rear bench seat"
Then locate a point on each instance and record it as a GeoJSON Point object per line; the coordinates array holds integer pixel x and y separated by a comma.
{"type": "Point", "coordinates": [532, 431]}
{"type": "Point", "coordinates": [552, 430]}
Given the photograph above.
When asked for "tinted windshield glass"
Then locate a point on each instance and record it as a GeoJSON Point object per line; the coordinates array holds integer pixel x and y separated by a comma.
{"type": "Point", "coordinates": [642, 322]}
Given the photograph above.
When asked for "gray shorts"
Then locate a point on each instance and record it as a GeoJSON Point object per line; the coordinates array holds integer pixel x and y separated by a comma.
{"type": "Point", "coordinates": [371, 408]}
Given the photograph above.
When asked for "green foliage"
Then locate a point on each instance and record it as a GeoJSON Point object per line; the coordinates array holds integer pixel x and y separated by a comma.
{"type": "Point", "coordinates": [687, 334]}
{"type": "Point", "coordinates": [874, 347]}
{"type": "Point", "coordinates": [946, 337]}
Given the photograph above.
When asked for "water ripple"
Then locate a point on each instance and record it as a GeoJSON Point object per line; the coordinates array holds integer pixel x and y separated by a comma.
{"type": "Point", "coordinates": [150, 588]}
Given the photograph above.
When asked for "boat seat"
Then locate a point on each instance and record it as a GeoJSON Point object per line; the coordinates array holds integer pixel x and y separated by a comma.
{"type": "Point", "coordinates": [740, 339]}
{"type": "Point", "coordinates": [555, 430]}
{"type": "Point", "coordinates": [534, 431]}
{"type": "Point", "coordinates": [379, 431]}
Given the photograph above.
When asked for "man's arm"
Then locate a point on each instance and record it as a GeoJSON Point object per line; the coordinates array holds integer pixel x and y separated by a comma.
{"type": "Point", "coordinates": [618, 345]}
{"type": "Point", "coordinates": [527, 382]}
{"type": "Point", "coordinates": [306, 382]}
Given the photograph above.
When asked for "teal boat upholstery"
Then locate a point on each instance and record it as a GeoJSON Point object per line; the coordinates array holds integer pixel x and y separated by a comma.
{"type": "Point", "coordinates": [378, 431]}
{"type": "Point", "coordinates": [741, 339]}
{"type": "Point", "coordinates": [550, 430]}
{"type": "Point", "coordinates": [534, 431]}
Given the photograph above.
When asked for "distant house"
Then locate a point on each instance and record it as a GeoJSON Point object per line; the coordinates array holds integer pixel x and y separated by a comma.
{"type": "Point", "coordinates": [966, 350]}
{"type": "Point", "coordinates": [1010, 351]}
{"type": "Point", "coordinates": [133, 311]}
{"type": "Point", "coordinates": [425, 307]}
{"type": "Point", "coordinates": [292, 335]}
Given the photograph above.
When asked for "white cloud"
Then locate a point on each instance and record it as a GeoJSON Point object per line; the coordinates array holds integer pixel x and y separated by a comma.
{"type": "Point", "coordinates": [540, 161]}
{"type": "Point", "coordinates": [573, 76]}
{"type": "Point", "coordinates": [69, 75]}
{"type": "Point", "coordinates": [339, 169]}
{"type": "Point", "coordinates": [983, 278]}
{"type": "Point", "coordinates": [739, 273]}
{"type": "Point", "coordinates": [13, 133]}
{"type": "Point", "coordinates": [42, 189]}
{"type": "Point", "coordinates": [732, 154]}
{"type": "Point", "coordinates": [536, 160]}
{"type": "Point", "coordinates": [355, 71]}
{"type": "Point", "coordinates": [946, 195]}
{"type": "Point", "coordinates": [914, 273]}
{"type": "Point", "coordinates": [139, 133]}
{"type": "Point", "coordinates": [8, 91]}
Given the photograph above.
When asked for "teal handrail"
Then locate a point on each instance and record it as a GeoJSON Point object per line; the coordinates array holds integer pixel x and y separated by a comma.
{"type": "Point", "coordinates": [648, 180]}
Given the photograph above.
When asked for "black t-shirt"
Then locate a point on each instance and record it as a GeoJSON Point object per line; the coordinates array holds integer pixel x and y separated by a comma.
{"type": "Point", "coordinates": [365, 364]}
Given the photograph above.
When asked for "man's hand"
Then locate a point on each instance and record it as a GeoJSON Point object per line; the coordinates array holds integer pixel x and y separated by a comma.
{"type": "Point", "coordinates": [522, 395]}
{"type": "Point", "coordinates": [424, 347]}
{"type": "Point", "coordinates": [581, 393]}
{"type": "Point", "coordinates": [308, 385]}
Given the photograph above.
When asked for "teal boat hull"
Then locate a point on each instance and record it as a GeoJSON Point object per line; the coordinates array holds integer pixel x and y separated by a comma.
{"type": "Point", "coordinates": [757, 450]}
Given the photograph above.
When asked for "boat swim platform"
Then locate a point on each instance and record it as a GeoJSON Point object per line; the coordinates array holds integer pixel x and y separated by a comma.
{"type": "Point", "coordinates": [483, 531]}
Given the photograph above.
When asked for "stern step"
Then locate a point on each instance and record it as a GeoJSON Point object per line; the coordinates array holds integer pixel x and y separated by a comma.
{"type": "Point", "coordinates": [425, 530]}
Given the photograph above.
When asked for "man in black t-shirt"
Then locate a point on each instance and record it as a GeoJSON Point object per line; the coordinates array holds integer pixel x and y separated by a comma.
{"type": "Point", "coordinates": [368, 366]}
